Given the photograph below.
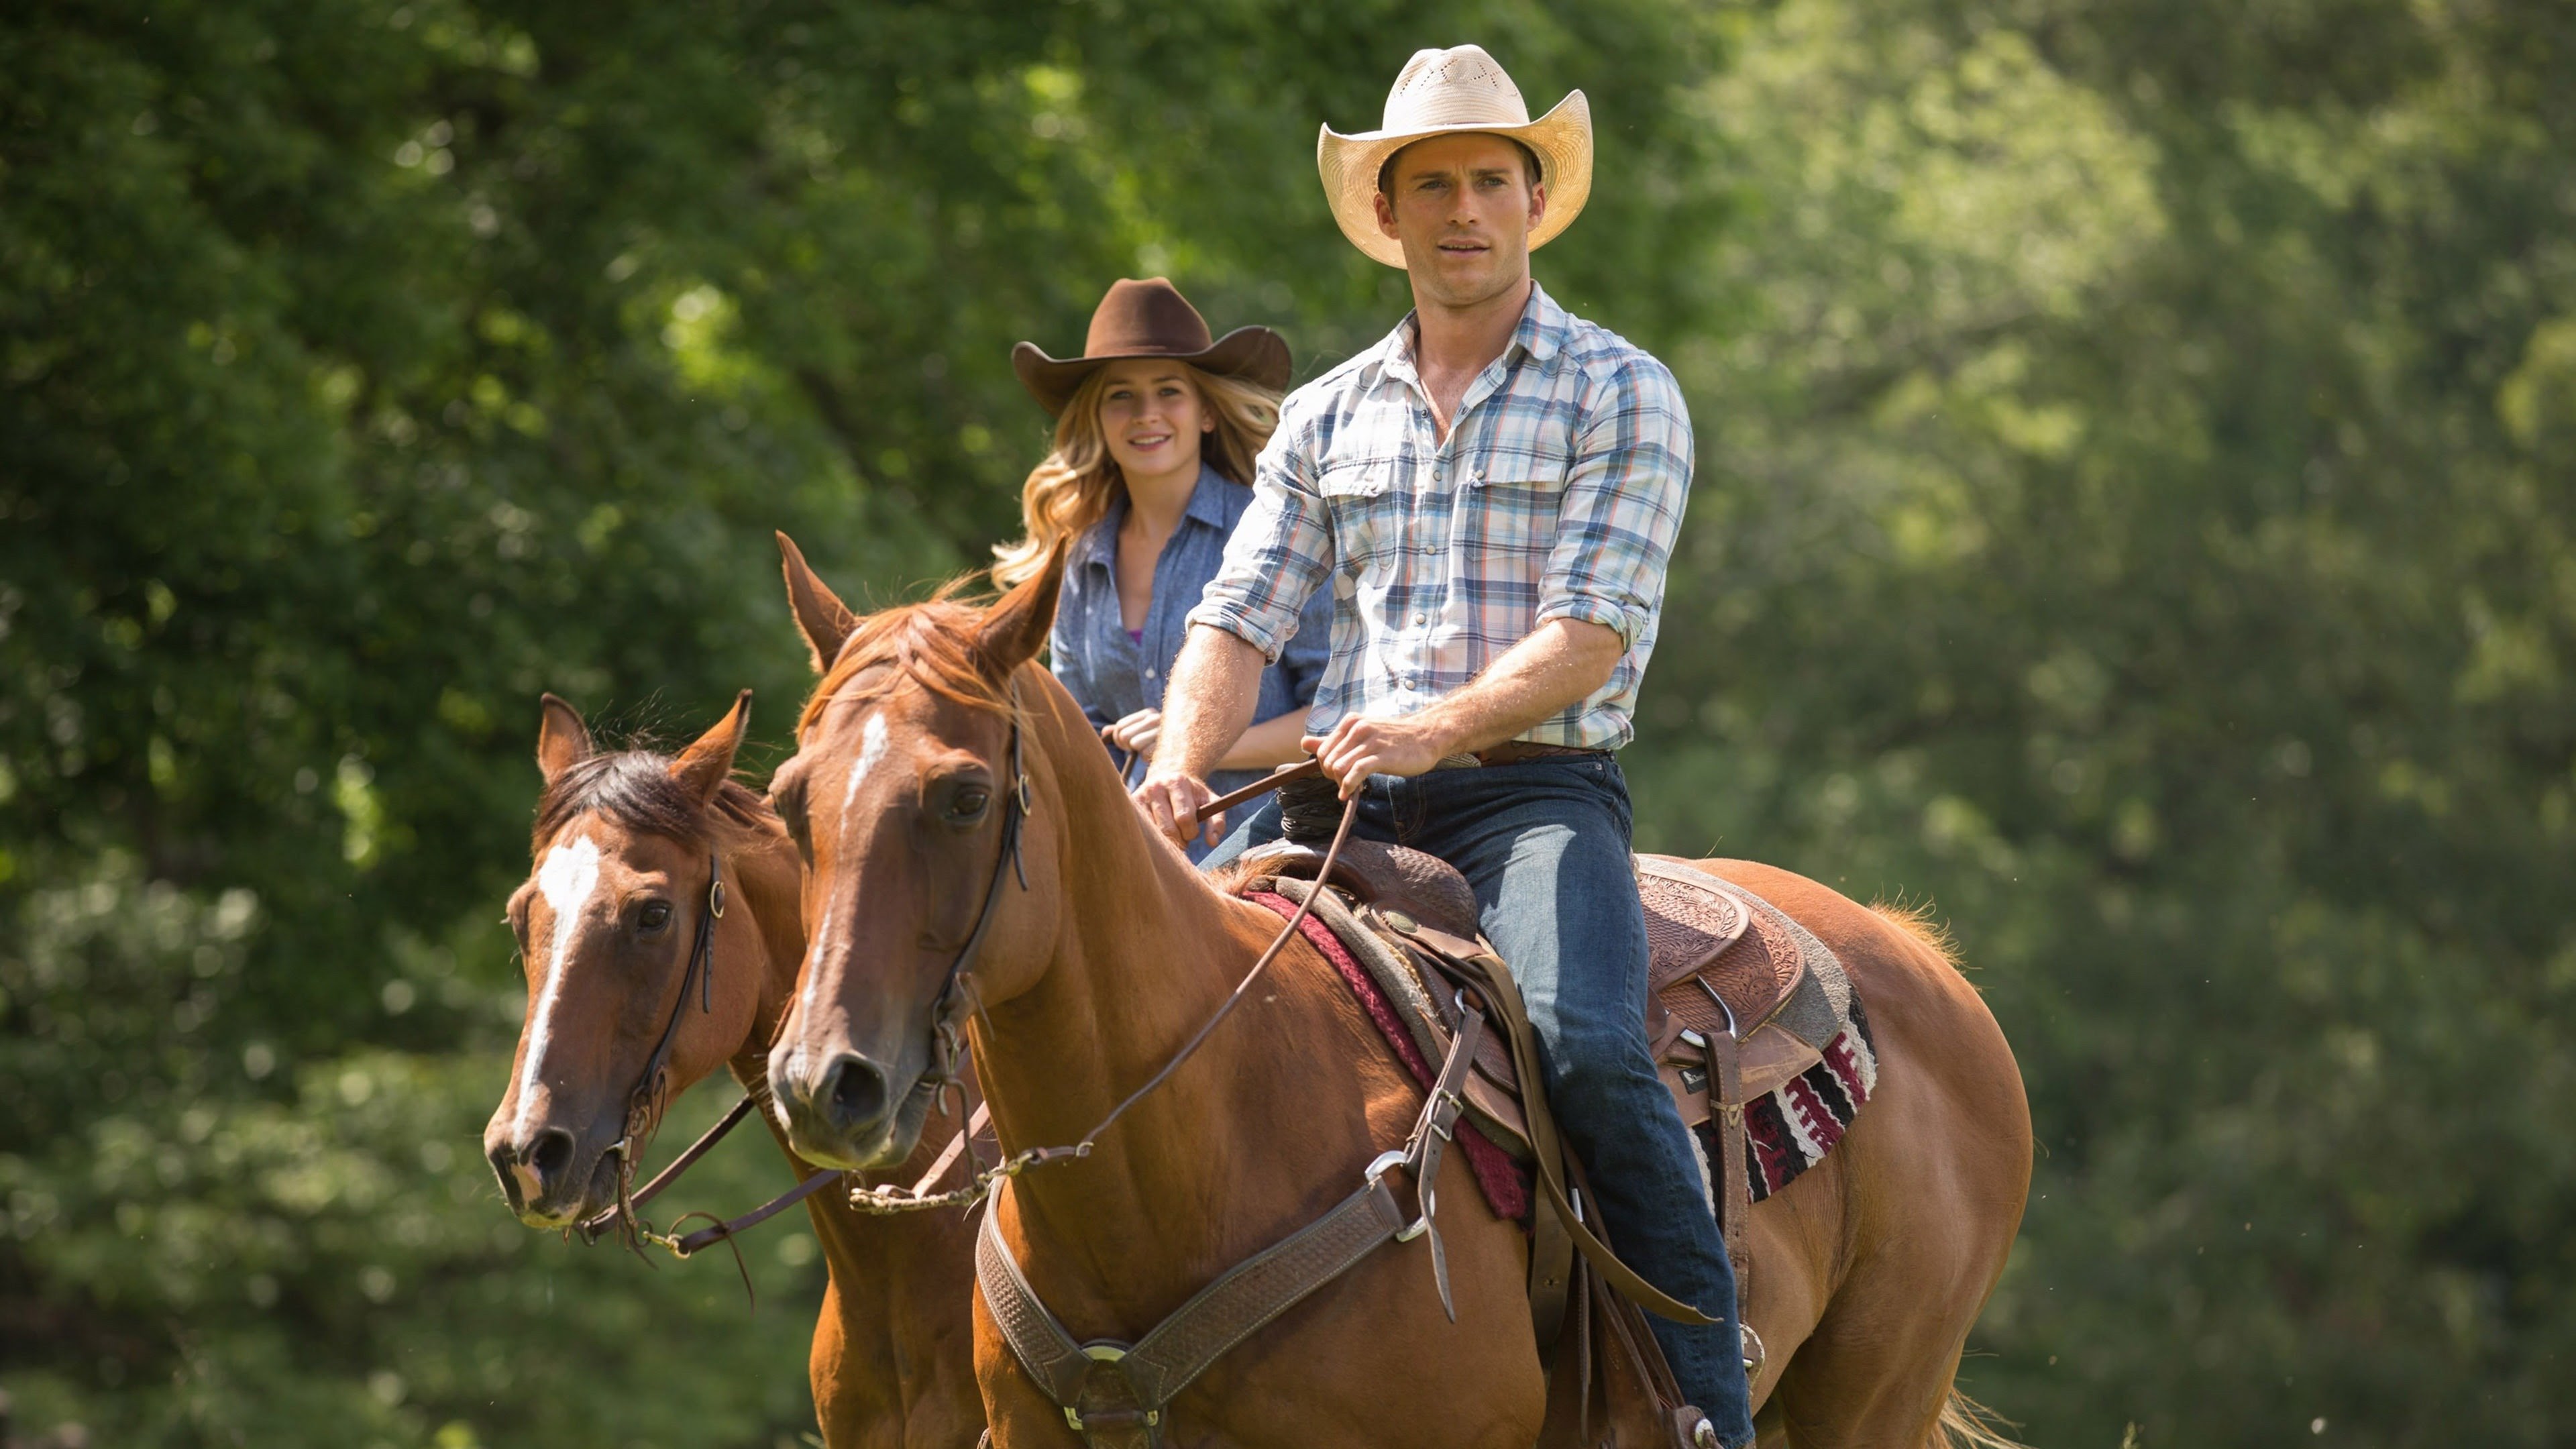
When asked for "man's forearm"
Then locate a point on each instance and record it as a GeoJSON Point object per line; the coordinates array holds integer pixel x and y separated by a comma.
{"type": "Point", "coordinates": [1556, 667]}
{"type": "Point", "coordinates": [1208, 703]}
{"type": "Point", "coordinates": [1271, 742]}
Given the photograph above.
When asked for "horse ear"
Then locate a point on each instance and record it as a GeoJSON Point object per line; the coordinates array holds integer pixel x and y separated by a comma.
{"type": "Point", "coordinates": [704, 766]}
{"type": "Point", "coordinates": [1016, 627]}
{"type": "Point", "coordinates": [820, 614]}
{"type": "Point", "coordinates": [563, 741]}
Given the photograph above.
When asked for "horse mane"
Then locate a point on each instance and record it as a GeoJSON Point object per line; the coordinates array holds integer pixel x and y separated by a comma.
{"type": "Point", "coordinates": [635, 788]}
{"type": "Point", "coordinates": [932, 643]}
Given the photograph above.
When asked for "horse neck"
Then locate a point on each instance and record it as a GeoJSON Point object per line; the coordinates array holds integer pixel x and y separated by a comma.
{"type": "Point", "coordinates": [766, 873]}
{"type": "Point", "coordinates": [1144, 952]}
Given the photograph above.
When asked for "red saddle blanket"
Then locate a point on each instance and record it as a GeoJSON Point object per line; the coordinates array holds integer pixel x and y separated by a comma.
{"type": "Point", "coordinates": [1791, 1127]}
{"type": "Point", "coordinates": [1506, 1186]}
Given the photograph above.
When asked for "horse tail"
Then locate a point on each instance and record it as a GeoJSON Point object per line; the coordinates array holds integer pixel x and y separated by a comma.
{"type": "Point", "coordinates": [1967, 1424]}
{"type": "Point", "coordinates": [1915, 921]}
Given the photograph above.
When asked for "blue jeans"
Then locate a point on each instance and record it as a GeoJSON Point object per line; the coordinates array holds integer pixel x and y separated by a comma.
{"type": "Point", "coordinates": [1545, 845]}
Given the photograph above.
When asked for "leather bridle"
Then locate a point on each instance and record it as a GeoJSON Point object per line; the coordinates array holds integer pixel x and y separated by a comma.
{"type": "Point", "coordinates": [646, 1093]}
{"type": "Point", "coordinates": [948, 1010]}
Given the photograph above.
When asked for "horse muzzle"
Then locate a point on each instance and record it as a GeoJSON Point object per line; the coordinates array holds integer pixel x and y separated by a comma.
{"type": "Point", "coordinates": [842, 1110]}
{"type": "Point", "coordinates": [547, 1179]}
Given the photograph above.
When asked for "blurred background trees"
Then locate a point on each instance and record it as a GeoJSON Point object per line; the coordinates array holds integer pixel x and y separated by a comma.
{"type": "Point", "coordinates": [2137, 455]}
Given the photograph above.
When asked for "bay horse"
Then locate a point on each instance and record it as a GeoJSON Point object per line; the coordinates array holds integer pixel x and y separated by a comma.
{"type": "Point", "coordinates": [1100, 950]}
{"type": "Point", "coordinates": [608, 924]}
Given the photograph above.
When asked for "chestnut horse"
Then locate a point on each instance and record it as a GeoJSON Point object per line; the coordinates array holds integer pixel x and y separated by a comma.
{"type": "Point", "coordinates": [607, 925]}
{"type": "Point", "coordinates": [1868, 1270]}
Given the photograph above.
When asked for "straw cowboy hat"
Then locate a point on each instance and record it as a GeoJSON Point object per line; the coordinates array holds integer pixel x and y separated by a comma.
{"type": "Point", "coordinates": [1440, 93]}
{"type": "Point", "coordinates": [1151, 319]}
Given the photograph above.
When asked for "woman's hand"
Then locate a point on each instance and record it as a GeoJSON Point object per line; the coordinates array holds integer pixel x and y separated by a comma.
{"type": "Point", "coordinates": [1137, 733]}
{"type": "Point", "coordinates": [1171, 805]}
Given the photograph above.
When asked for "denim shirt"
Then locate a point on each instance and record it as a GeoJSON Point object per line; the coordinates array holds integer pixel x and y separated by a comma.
{"type": "Point", "coordinates": [1112, 676]}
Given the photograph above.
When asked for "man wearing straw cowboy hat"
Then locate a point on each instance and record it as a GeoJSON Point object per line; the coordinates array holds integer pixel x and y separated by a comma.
{"type": "Point", "coordinates": [1491, 493]}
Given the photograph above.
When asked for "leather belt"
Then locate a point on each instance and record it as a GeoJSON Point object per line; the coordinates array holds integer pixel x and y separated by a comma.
{"type": "Point", "coordinates": [1514, 752]}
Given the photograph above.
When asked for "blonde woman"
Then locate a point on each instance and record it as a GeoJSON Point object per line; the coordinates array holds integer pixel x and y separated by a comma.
{"type": "Point", "coordinates": [1156, 430]}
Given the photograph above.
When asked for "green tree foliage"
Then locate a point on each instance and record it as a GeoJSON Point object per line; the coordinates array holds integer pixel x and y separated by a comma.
{"type": "Point", "coordinates": [2135, 459]}
{"type": "Point", "coordinates": [2134, 515]}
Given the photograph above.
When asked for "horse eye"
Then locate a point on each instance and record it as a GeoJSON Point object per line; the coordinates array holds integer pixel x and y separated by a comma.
{"type": "Point", "coordinates": [656, 915]}
{"type": "Point", "coordinates": [969, 803]}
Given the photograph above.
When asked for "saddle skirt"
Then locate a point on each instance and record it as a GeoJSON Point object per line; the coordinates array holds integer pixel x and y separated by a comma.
{"type": "Point", "coordinates": [1722, 962]}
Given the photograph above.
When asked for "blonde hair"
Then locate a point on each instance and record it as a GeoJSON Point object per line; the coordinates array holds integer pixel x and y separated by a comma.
{"type": "Point", "coordinates": [1072, 489]}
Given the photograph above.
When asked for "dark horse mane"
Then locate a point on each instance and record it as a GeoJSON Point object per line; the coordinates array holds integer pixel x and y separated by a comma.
{"type": "Point", "coordinates": [636, 789]}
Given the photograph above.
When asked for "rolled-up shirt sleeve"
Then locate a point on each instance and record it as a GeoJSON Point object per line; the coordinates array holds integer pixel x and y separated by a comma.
{"type": "Point", "coordinates": [1281, 552]}
{"type": "Point", "coordinates": [1622, 506]}
{"type": "Point", "coordinates": [1303, 657]}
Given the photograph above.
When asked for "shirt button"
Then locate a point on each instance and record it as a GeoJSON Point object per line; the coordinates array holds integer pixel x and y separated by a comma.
{"type": "Point", "coordinates": [1422, 618]}
{"type": "Point", "coordinates": [1149, 673]}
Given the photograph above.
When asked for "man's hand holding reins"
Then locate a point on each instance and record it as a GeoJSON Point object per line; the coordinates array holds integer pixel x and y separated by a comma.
{"type": "Point", "coordinates": [1358, 747]}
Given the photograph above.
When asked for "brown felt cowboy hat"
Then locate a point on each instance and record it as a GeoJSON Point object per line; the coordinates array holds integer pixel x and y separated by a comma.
{"type": "Point", "coordinates": [1152, 319]}
{"type": "Point", "coordinates": [1442, 93]}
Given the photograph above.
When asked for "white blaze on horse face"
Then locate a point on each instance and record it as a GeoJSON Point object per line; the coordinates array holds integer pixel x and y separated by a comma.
{"type": "Point", "coordinates": [566, 880]}
{"type": "Point", "coordinates": [872, 748]}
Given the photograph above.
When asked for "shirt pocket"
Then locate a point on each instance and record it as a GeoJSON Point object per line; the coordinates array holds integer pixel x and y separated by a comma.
{"type": "Point", "coordinates": [1515, 493]}
{"type": "Point", "coordinates": [1366, 510]}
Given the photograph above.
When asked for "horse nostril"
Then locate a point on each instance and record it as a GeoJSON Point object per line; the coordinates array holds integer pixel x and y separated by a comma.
{"type": "Point", "coordinates": [550, 1155]}
{"type": "Point", "coordinates": [855, 1090]}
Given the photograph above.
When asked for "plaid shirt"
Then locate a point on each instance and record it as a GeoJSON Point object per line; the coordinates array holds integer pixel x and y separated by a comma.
{"type": "Point", "coordinates": [1557, 496]}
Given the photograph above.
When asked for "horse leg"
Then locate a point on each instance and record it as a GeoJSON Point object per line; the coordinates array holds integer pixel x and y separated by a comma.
{"type": "Point", "coordinates": [836, 1410]}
